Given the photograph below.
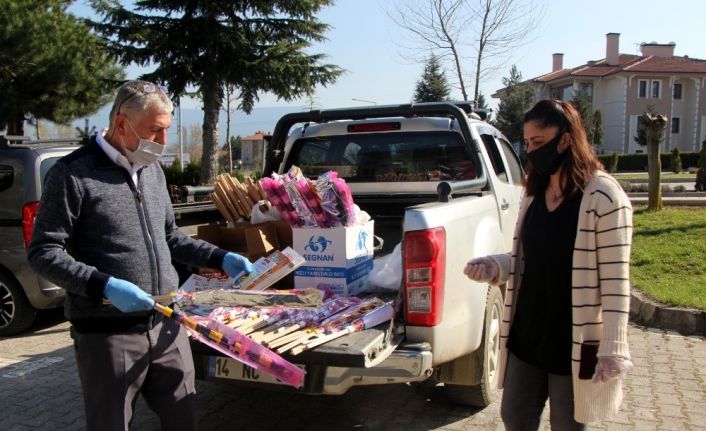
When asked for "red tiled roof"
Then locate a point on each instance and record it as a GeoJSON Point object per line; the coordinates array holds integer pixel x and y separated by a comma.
{"type": "Point", "coordinates": [669, 64]}
{"type": "Point", "coordinates": [259, 136]}
{"type": "Point", "coordinates": [629, 63]}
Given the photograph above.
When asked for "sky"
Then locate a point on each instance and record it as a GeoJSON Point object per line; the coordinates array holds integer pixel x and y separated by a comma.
{"type": "Point", "coordinates": [366, 43]}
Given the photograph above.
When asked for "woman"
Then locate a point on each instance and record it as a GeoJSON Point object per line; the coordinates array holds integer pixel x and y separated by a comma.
{"type": "Point", "coordinates": [564, 331]}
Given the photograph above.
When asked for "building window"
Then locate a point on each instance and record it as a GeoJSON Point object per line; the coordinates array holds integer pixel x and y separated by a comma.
{"type": "Point", "coordinates": [675, 125]}
{"type": "Point", "coordinates": [555, 93]}
{"type": "Point", "coordinates": [656, 87]}
{"type": "Point", "coordinates": [677, 91]}
{"type": "Point", "coordinates": [642, 89]}
{"type": "Point", "coordinates": [587, 90]}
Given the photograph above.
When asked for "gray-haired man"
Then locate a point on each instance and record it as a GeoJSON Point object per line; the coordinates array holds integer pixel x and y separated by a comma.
{"type": "Point", "coordinates": [105, 230]}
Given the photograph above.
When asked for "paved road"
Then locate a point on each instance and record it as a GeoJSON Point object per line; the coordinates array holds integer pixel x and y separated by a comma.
{"type": "Point", "coordinates": [39, 390]}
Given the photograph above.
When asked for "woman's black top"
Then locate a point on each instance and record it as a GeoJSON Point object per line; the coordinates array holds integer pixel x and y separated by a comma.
{"type": "Point", "coordinates": [541, 330]}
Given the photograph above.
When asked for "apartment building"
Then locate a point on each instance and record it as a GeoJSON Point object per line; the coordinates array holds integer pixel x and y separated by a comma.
{"type": "Point", "coordinates": [624, 86]}
{"type": "Point", "coordinates": [252, 150]}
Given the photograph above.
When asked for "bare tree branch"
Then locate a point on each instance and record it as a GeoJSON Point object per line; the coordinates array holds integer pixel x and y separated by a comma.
{"type": "Point", "coordinates": [437, 27]}
{"type": "Point", "coordinates": [456, 31]}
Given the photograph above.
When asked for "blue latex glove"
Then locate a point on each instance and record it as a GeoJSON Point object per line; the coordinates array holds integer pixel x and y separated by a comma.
{"type": "Point", "coordinates": [126, 296]}
{"type": "Point", "coordinates": [234, 264]}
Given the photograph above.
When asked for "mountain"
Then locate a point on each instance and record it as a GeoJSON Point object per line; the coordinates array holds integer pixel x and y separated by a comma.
{"type": "Point", "coordinates": [261, 119]}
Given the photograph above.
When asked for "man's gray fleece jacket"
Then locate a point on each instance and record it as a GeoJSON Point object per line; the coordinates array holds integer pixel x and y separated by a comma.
{"type": "Point", "coordinates": [93, 223]}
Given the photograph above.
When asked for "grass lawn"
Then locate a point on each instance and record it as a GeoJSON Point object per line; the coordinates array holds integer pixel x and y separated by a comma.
{"type": "Point", "coordinates": [669, 255]}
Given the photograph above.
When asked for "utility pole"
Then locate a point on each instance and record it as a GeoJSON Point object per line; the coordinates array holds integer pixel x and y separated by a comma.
{"type": "Point", "coordinates": [180, 134]}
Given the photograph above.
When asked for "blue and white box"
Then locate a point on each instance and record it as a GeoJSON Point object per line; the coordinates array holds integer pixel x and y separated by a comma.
{"type": "Point", "coordinates": [339, 258]}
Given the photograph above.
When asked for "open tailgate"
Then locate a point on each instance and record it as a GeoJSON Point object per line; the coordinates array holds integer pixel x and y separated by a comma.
{"type": "Point", "coordinates": [361, 349]}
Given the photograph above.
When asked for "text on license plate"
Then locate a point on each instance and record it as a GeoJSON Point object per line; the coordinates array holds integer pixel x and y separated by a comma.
{"type": "Point", "coordinates": [227, 368]}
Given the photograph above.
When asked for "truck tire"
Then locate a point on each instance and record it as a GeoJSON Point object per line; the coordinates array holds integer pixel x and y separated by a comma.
{"type": "Point", "coordinates": [484, 393]}
{"type": "Point", "coordinates": [16, 313]}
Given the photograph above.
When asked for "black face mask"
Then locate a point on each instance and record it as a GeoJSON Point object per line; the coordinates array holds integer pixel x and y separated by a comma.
{"type": "Point", "coordinates": [546, 160]}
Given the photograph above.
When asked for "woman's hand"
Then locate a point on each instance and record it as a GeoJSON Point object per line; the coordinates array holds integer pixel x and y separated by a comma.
{"type": "Point", "coordinates": [610, 367]}
{"type": "Point", "coordinates": [482, 269]}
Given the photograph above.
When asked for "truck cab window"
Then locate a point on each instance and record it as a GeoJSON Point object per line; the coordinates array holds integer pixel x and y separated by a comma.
{"type": "Point", "coordinates": [6, 176]}
{"type": "Point", "coordinates": [495, 159]}
{"type": "Point", "coordinates": [513, 162]}
{"type": "Point", "coordinates": [385, 157]}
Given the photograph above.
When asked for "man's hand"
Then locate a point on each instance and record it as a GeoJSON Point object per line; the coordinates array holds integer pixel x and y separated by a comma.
{"type": "Point", "coordinates": [234, 264]}
{"type": "Point", "coordinates": [610, 367]}
{"type": "Point", "coordinates": [126, 296]}
{"type": "Point", "coordinates": [482, 269]}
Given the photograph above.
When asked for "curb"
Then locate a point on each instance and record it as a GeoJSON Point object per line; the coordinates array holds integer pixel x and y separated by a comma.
{"type": "Point", "coordinates": [673, 200]}
{"type": "Point", "coordinates": [686, 321]}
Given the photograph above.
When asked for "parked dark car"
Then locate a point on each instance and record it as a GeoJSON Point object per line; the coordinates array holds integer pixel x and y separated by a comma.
{"type": "Point", "coordinates": [23, 166]}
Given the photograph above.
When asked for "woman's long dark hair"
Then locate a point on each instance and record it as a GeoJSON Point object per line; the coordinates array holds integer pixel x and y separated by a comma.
{"type": "Point", "coordinates": [580, 163]}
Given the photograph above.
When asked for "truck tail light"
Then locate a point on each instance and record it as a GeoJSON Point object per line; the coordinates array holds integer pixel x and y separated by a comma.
{"type": "Point", "coordinates": [374, 127]}
{"type": "Point", "coordinates": [29, 212]}
{"type": "Point", "coordinates": [424, 275]}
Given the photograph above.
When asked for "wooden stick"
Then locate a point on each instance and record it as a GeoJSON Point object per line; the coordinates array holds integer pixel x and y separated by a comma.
{"type": "Point", "coordinates": [304, 333]}
{"type": "Point", "coordinates": [252, 325]}
{"type": "Point", "coordinates": [280, 332]}
{"type": "Point", "coordinates": [295, 343]}
{"type": "Point", "coordinates": [240, 189]}
{"type": "Point", "coordinates": [319, 341]}
{"type": "Point", "coordinates": [252, 190]}
{"type": "Point", "coordinates": [260, 190]}
{"type": "Point", "coordinates": [223, 195]}
{"type": "Point", "coordinates": [232, 198]}
{"type": "Point", "coordinates": [236, 194]}
{"type": "Point", "coordinates": [222, 208]}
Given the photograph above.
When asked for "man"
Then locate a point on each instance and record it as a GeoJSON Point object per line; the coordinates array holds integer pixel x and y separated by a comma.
{"type": "Point", "coordinates": [105, 232]}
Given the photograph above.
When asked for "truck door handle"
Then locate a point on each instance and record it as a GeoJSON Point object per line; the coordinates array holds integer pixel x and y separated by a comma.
{"type": "Point", "coordinates": [504, 205]}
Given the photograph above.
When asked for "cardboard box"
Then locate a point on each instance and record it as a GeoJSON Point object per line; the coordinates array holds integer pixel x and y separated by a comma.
{"type": "Point", "coordinates": [252, 241]}
{"type": "Point", "coordinates": [227, 238]}
{"type": "Point", "coordinates": [339, 258]}
{"type": "Point", "coordinates": [261, 240]}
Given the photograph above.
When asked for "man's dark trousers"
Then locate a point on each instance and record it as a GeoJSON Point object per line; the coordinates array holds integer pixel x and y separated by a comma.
{"type": "Point", "coordinates": [156, 362]}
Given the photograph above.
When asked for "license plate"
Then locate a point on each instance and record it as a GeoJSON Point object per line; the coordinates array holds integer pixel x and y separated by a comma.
{"type": "Point", "coordinates": [226, 368]}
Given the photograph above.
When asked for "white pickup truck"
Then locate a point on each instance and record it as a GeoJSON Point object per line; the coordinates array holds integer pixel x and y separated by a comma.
{"type": "Point", "coordinates": [445, 184]}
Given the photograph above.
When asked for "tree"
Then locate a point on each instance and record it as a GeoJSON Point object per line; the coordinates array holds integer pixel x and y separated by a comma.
{"type": "Point", "coordinates": [516, 99]}
{"type": "Point", "coordinates": [650, 133]}
{"type": "Point", "coordinates": [86, 133]}
{"type": "Point", "coordinates": [255, 46]}
{"type": "Point", "coordinates": [597, 135]}
{"type": "Point", "coordinates": [501, 27]}
{"type": "Point", "coordinates": [481, 103]}
{"type": "Point", "coordinates": [64, 131]}
{"type": "Point", "coordinates": [701, 173]}
{"type": "Point", "coordinates": [195, 145]}
{"type": "Point", "coordinates": [676, 161]}
{"type": "Point", "coordinates": [592, 120]}
{"type": "Point", "coordinates": [432, 86]}
{"type": "Point", "coordinates": [51, 66]}
{"type": "Point", "coordinates": [491, 28]}
{"type": "Point", "coordinates": [435, 26]}
{"type": "Point", "coordinates": [584, 107]}
{"type": "Point", "coordinates": [229, 99]}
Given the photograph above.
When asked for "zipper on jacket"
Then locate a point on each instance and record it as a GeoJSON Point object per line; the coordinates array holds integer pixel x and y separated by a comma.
{"type": "Point", "coordinates": [139, 200]}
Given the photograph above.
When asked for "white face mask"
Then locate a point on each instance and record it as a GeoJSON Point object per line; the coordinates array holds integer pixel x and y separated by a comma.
{"type": "Point", "coordinates": [147, 151]}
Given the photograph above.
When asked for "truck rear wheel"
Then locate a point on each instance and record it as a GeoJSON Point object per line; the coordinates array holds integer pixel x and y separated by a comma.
{"type": "Point", "coordinates": [484, 393]}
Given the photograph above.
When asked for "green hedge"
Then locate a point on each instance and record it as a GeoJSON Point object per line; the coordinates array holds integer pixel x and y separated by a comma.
{"type": "Point", "coordinates": [638, 161]}
{"type": "Point", "coordinates": [190, 176]}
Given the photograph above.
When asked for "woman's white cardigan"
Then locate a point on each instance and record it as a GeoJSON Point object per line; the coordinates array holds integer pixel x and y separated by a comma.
{"type": "Point", "coordinates": [600, 290]}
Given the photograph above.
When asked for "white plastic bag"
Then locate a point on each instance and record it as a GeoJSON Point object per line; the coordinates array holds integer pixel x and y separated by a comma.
{"type": "Point", "coordinates": [263, 211]}
{"type": "Point", "coordinates": [387, 271]}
